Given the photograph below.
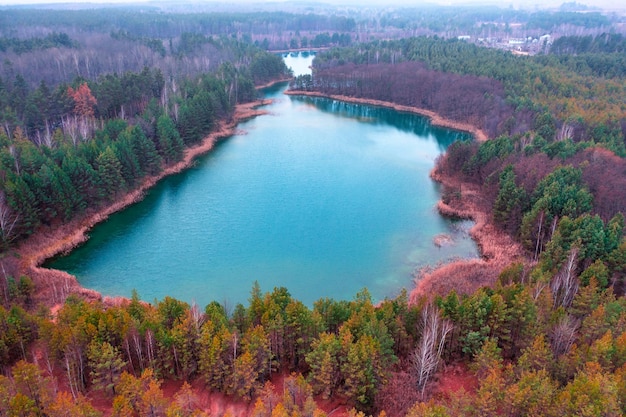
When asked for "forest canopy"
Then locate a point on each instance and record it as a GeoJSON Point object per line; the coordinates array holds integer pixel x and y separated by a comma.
{"type": "Point", "coordinates": [93, 103]}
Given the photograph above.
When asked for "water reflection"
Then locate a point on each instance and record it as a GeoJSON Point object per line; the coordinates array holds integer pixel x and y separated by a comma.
{"type": "Point", "coordinates": [374, 115]}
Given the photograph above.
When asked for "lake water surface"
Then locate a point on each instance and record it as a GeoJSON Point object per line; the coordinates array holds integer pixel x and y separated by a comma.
{"type": "Point", "coordinates": [319, 196]}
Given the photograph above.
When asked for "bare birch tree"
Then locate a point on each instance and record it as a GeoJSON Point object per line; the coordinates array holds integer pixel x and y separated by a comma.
{"type": "Point", "coordinates": [426, 356]}
{"type": "Point", "coordinates": [565, 283]}
{"type": "Point", "coordinates": [197, 316]}
{"type": "Point", "coordinates": [8, 220]}
{"type": "Point", "coordinates": [563, 335]}
{"type": "Point", "coordinates": [70, 128]}
{"type": "Point", "coordinates": [566, 132]}
{"type": "Point", "coordinates": [538, 244]}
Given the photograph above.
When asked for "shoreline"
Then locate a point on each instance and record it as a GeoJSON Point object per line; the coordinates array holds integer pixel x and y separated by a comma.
{"type": "Point", "coordinates": [53, 286]}
{"type": "Point", "coordinates": [435, 119]}
{"type": "Point", "coordinates": [497, 249]}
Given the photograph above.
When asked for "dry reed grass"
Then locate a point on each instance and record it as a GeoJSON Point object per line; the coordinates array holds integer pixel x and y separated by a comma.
{"type": "Point", "coordinates": [496, 247]}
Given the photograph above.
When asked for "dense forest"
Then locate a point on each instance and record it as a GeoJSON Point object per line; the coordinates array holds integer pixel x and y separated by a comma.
{"type": "Point", "coordinates": [55, 45]}
{"type": "Point", "coordinates": [81, 145]}
{"type": "Point", "coordinates": [533, 344]}
{"type": "Point", "coordinates": [94, 103]}
{"type": "Point", "coordinates": [555, 163]}
{"type": "Point", "coordinates": [552, 175]}
{"type": "Point", "coordinates": [553, 101]}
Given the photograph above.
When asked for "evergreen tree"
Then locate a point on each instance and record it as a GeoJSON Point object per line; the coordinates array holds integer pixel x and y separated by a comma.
{"type": "Point", "coordinates": [125, 153]}
{"type": "Point", "coordinates": [24, 203]}
{"type": "Point", "coordinates": [170, 143]}
{"type": "Point", "coordinates": [509, 204]}
{"type": "Point", "coordinates": [66, 406]}
{"type": "Point", "coordinates": [83, 179]}
{"type": "Point", "coordinates": [106, 366]}
{"type": "Point", "coordinates": [323, 360]}
{"type": "Point", "coordinates": [147, 155]}
{"type": "Point", "coordinates": [242, 381]}
{"type": "Point", "coordinates": [110, 173]}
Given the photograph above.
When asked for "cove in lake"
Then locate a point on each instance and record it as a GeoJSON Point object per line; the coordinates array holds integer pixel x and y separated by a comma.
{"type": "Point", "coordinates": [320, 196]}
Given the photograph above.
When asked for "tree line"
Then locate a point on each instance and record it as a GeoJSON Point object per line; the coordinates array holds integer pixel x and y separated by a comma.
{"type": "Point", "coordinates": [81, 145]}
{"type": "Point", "coordinates": [56, 45]}
{"type": "Point", "coordinates": [479, 101]}
{"type": "Point", "coordinates": [599, 56]}
{"type": "Point", "coordinates": [549, 99]}
{"type": "Point", "coordinates": [543, 340]}
{"type": "Point", "coordinates": [20, 46]}
{"type": "Point", "coordinates": [575, 45]}
{"type": "Point", "coordinates": [547, 171]}
{"type": "Point", "coordinates": [152, 22]}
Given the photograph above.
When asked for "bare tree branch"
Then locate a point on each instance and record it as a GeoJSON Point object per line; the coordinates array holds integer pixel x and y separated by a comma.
{"type": "Point", "coordinates": [427, 354]}
{"type": "Point", "coordinates": [8, 220]}
{"type": "Point", "coordinates": [564, 285]}
{"type": "Point", "coordinates": [563, 335]}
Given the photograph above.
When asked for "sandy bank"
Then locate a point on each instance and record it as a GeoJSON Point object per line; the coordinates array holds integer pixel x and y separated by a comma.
{"type": "Point", "coordinates": [435, 119]}
{"type": "Point", "coordinates": [497, 248]}
{"type": "Point", "coordinates": [54, 286]}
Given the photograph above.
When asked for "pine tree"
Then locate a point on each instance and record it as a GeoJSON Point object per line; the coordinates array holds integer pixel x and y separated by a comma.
{"type": "Point", "coordinates": [362, 370]}
{"type": "Point", "coordinates": [65, 405]}
{"type": "Point", "coordinates": [185, 402]}
{"type": "Point", "coordinates": [170, 143]}
{"type": "Point", "coordinates": [30, 382]}
{"type": "Point", "coordinates": [216, 356]}
{"type": "Point", "coordinates": [534, 394]}
{"type": "Point", "coordinates": [430, 409]}
{"type": "Point", "coordinates": [243, 380]}
{"type": "Point", "coordinates": [110, 173]}
{"type": "Point", "coordinates": [24, 203]}
{"type": "Point", "coordinates": [510, 202]}
{"type": "Point", "coordinates": [106, 366]}
{"type": "Point", "coordinates": [592, 391]}
{"type": "Point", "coordinates": [83, 179]}
{"type": "Point", "coordinates": [536, 357]}
{"type": "Point", "coordinates": [147, 155]}
{"type": "Point", "coordinates": [153, 402]}
{"type": "Point", "coordinates": [256, 342]}
{"type": "Point", "coordinates": [125, 153]}
{"type": "Point", "coordinates": [324, 363]}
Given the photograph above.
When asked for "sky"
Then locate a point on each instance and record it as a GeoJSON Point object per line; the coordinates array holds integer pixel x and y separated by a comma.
{"type": "Point", "coordinates": [526, 4]}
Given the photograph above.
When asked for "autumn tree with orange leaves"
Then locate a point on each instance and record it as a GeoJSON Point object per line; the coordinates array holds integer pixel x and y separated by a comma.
{"type": "Point", "coordinates": [84, 101]}
{"type": "Point", "coordinates": [81, 124]}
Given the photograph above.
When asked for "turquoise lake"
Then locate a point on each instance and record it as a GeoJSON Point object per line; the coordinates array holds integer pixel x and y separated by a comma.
{"type": "Point", "coordinates": [319, 196]}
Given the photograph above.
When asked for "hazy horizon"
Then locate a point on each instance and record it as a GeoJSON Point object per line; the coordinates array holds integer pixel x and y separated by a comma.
{"type": "Point", "coordinates": [602, 4]}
